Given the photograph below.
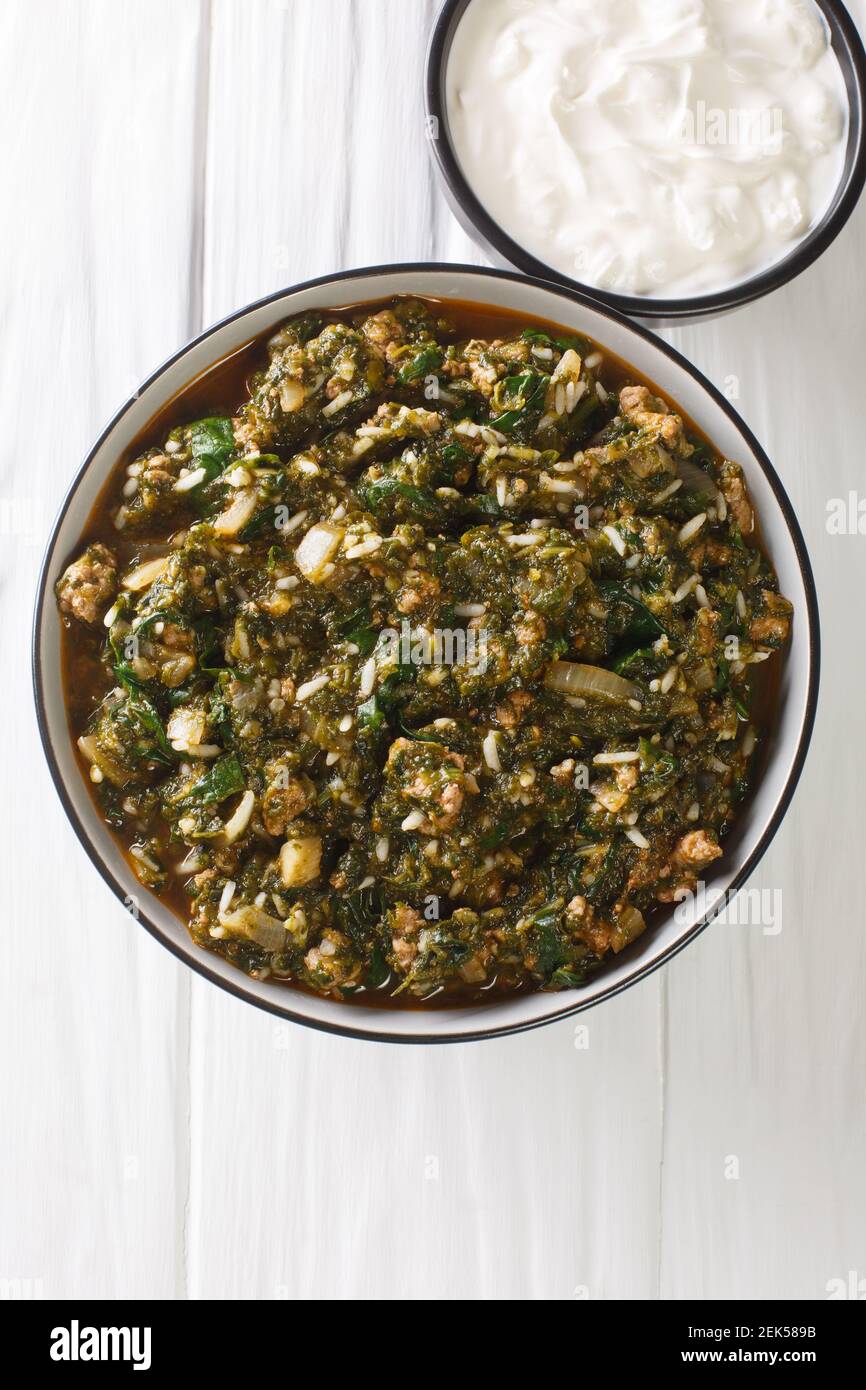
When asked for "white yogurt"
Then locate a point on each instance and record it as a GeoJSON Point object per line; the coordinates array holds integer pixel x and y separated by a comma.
{"type": "Point", "coordinates": [650, 147]}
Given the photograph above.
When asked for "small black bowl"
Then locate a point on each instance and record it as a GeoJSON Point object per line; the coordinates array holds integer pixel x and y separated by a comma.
{"type": "Point", "coordinates": [504, 251]}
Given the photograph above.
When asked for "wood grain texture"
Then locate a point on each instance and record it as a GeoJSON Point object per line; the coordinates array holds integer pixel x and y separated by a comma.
{"type": "Point", "coordinates": [97, 223]}
{"type": "Point", "coordinates": [168, 160]}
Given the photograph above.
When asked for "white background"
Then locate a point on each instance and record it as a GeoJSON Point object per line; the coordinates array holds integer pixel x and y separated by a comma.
{"type": "Point", "coordinates": [166, 161]}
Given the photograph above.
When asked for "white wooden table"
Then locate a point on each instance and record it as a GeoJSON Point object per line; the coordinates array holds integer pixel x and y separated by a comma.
{"type": "Point", "coordinates": [164, 162]}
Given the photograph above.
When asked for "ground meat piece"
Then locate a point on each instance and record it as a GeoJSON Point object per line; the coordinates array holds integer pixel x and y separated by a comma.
{"type": "Point", "coordinates": [531, 628]}
{"type": "Point", "coordinates": [493, 890]}
{"type": "Point", "coordinates": [400, 745]}
{"type": "Point", "coordinates": [176, 637]}
{"type": "Point", "coordinates": [695, 850]}
{"type": "Point", "coordinates": [648, 412]}
{"type": "Point", "coordinates": [564, 772]}
{"type": "Point", "coordinates": [734, 492]}
{"type": "Point", "coordinates": [511, 711]}
{"type": "Point", "coordinates": [419, 588]}
{"type": "Point", "coordinates": [89, 584]}
{"type": "Point", "coordinates": [587, 927]}
{"type": "Point", "coordinates": [418, 787]}
{"type": "Point", "coordinates": [406, 924]}
{"type": "Point", "coordinates": [404, 952]}
{"type": "Point", "coordinates": [332, 962]}
{"type": "Point", "coordinates": [610, 798]}
{"type": "Point", "coordinates": [634, 399]}
{"type": "Point", "coordinates": [626, 777]}
{"type": "Point", "coordinates": [484, 374]}
{"type": "Point", "coordinates": [706, 631]}
{"type": "Point", "coordinates": [451, 799]}
{"type": "Point", "coordinates": [773, 626]}
{"type": "Point", "coordinates": [283, 804]}
{"type": "Point", "coordinates": [773, 630]}
{"type": "Point", "coordinates": [384, 333]}
{"type": "Point", "coordinates": [717, 556]}
{"type": "Point", "coordinates": [580, 910]}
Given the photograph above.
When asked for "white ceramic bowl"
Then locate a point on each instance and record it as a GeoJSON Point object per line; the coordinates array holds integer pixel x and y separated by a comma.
{"type": "Point", "coordinates": [679, 381]}
{"type": "Point", "coordinates": [502, 249]}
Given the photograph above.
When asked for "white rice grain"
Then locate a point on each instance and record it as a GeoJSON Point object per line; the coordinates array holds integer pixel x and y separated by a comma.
{"type": "Point", "coordinates": [666, 492]}
{"type": "Point", "coordinates": [368, 677]}
{"type": "Point", "coordinates": [470, 610]}
{"type": "Point", "coordinates": [312, 687]}
{"type": "Point", "coordinates": [227, 895]}
{"type": "Point", "coordinates": [190, 480]}
{"type": "Point", "coordinates": [525, 539]}
{"type": "Point", "coordinates": [615, 539]}
{"type": "Point", "coordinates": [691, 528]}
{"type": "Point", "coordinates": [365, 547]}
{"type": "Point", "coordinates": [293, 523]}
{"type": "Point", "coordinates": [549, 484]}
{"type": "Point", "coordinates": [338, 403]}
{"type": "Point", "coordinates": [491, 752]}
{"type": "Point", "coordinates": [685, 589]}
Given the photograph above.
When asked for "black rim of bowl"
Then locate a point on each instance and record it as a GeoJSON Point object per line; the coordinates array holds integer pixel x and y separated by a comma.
{"type": "Point", "coordinates": [195, 957]}
{"type": "Point", "coordinates": [495, 241]}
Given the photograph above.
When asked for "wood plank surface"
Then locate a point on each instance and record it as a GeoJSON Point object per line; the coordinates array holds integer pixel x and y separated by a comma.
{"type": "Point", "coordinates": [703, 1134]}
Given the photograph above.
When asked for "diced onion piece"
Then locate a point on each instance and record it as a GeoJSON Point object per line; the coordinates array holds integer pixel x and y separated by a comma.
{"type": "Point", "coordinates": [100, 760]}
{"type": "Point", "coordinates": [292, 396]}
{"type": "Point", "coordinates": [695, 479]}
{"type": "Point", "coordinates": [144, 575]}
{"type": "Point", "coordinates": [573, 678]}
{"type": "Point", "coordinates": [568, 366]}
{"type": "Point", "coordinates": [629, 925]}
{"type": "Point", "coordinates": [300, 860]}
{"type": "Point", "coordinates": [257, 926]}
{"type": "Point", "coordinates": [317, 549]}
{"type": "Point", "coordinates": [186, 725]}
{"type": "Point", "coordinates": [236, 516]}
{"type": "Point", "coordinates": [87, 747]}
{"type": "Point", "coordinates": [238, 822]}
